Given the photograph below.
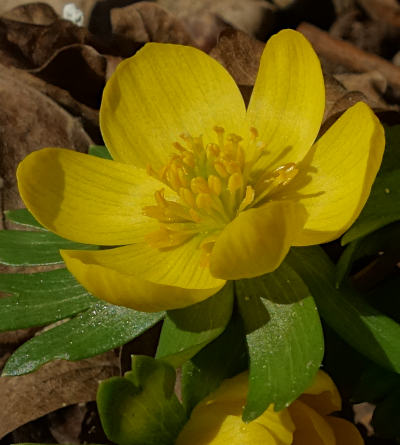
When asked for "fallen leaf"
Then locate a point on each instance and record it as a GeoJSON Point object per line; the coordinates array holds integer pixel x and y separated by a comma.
{"type": "Point", "coordinates": [89, 117]}
{"type": "Point", "coordinates": [28, 121]}
{"type": "Point", "coordinates": [66, 424]}
{"type": "Point", "coordinates": [240, 54]}
{"type": "Point", "coordinates": [80, 70]}
{"type": "Point", "coordinates": [373, 84]}
{"type": "Point", "coordinates": [55, 385]}
{"type": "Point", "coordinates": [34, 13]}
{"type": "Point", "coordinates": [148, 22]}
{"type": "Point", "coordinates": [206, 19]}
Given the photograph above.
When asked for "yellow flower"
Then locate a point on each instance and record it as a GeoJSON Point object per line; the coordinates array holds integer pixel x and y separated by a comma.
{"type": "Point", "coordinates": [216, 420]}
{"type": "Point", "coordinates": [201, 190]}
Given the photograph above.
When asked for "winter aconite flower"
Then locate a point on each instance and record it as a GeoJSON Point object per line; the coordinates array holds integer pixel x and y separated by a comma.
{"type": "Point", "coordinates": [217, 420]}
{"type": "Point", "coordinates": [201, 190]}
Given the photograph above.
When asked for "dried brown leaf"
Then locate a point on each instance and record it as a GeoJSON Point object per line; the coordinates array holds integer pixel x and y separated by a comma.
{"type": "Point", "coordinates": [66, 424]}
{"type": "Point", "coordinates": [148, 22]}
{"type": "Point", "coordinates": [28, 121]}
{"type": "Point", "coordinates": [373, 84]}
{"type": "Point", "coordinates": [206, 19]}
{"type": "Point", "coordinates": [55, 385]}
{"type": "Point", "coordinates": [34, 13]}
{"type": "Point", "coordinates": [80, 70]}
{"type": "Point", "coordinates": [240, 54]}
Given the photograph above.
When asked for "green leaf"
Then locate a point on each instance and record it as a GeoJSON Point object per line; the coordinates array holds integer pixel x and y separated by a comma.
{"type": "Point", "coordinates": [99, 329]}
{"type": "Point", "coordinates": [186, 331]}
{"type": "Point", "coordinates": [40, 298]}
{"type": "Point", "coordinates": [381, 209]}
{"type": "Point", "coordinates": [20, 248]}
{"type": "Point", "coordinates": [366, 329]}
{"type": "Point", "coordinates": [223, 358]}
{"type": "Point", "coordinates": [284, 338]}
{"type": "Point", "coordinates": [100, 151]}
{"type": "Point", "coordinates": [23, 217]}
{"type": "Point", "coordinates": [141, 408]}
{"type": "Point", "coordinates": [385, 240]}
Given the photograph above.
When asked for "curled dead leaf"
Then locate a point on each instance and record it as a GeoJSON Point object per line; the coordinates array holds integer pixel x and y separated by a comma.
{"type": "Point", "coordinates": [34, 13]}
{"type": "Point", "coordinates": [55, 385]}
{"type": "Point", "coordinates": [28, 121]}
{"type": "Point", "coordinates": [148, 22]}
{"type": "Point", "coordinates": [240, 54]}
{"type": "Point", "coordinates": [80, 70]}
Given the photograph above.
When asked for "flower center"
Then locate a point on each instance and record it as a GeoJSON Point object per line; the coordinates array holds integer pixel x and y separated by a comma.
{"type": "Point", "coordinates": [214, 182]}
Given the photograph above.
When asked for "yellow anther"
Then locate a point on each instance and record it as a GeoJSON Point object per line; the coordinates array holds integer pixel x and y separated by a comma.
{"type": "Point", "coordinates": [218, 129]}
{"type": "Point", "coordinates": [179, 147]}
{"type": "Point", "coordinates": [160, 199]}
{"type": "Point", "coordinates": [195, 215]}
{"type": "Point", "coordinates": [188, 159]}
{"type": "Point", "coordinates": [199, 185]}
{"type": "Point", "coordinates": [233, 167]}
{"type": "Point", "coordinates": [235, 182]}
{"type": "Point", "coordinates": [156, 212]}
{"type": "Point", "coordinates": [187, 196]}
{"type": "Point", "coordinates": [173, 178]}
{"type": "Point", "coordinates": [183, 177]}
{"type": "Point", "coordinates": [248, 198]}
{"type": "Point", "coordinates": [253, 133]}
{"type": "Point", "coordinates": [204, 201]}
{"type": "Point", "coordinates": [212, 150]}
{"type": "Point", "coordinates": [220, 169]}
{"type": "Point", "coordinates": [215, 184]}
{"type": "Point", "coordinates": [285, 173]}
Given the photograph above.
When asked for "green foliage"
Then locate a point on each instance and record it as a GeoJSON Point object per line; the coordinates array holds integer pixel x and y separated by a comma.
{"type": "Point", "coordinates": [366, 329]}
{"type": "Point", "coordinates": [284, 338]}
{"type": "Point", "coordinates": [40, 298]}
{"type": "Point", "coordinates": [225, 357]}
{"type": "Point", "coordinates": [20, 248]}
{"type": "Point", "coordinates": [23, 217]}
{"type": "Point", "coordinates": [99, 151]}
{"type": "Point", "coordinates": [100, 328]}
{"type": "Point", "coordinates": [186, 331]}
{"type": "Point", "coordinates": [141, 408]}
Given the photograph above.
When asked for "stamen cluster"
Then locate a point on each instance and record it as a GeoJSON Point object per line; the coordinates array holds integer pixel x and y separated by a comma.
{"type": "Point", "coordinates": [214, 182]}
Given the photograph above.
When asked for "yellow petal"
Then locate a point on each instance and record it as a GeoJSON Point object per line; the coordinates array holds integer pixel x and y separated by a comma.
{"type": "Point", "coordinates": [129, 290]}
{"type": "Point", "coordinates": [162, 91]}
{"type": "Point", "coordinates": [256, 241]}
{"type": "Point", "coordinates": [144, 278]}
{"type": "Point", "coordinates": [322, 395]}
{"type": "Point", "coordinates": [288, 99]}
{"type": "Point", "coordinates": [311, 428]}
{"type": "Point", "coordinates": [345, 432]}
{"type": "Point", "coordinates": [85, 198]}
{"type": "Point", "coordinates": [217, 420]}
{"type": "Point", "coordinates": [338, 173]}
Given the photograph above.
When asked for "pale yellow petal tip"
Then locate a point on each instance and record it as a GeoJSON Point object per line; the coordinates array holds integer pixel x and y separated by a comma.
{"type": "Point", "coordinates": [243, 251]}
{"type": "Point", "coordinates": [129, 290]}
